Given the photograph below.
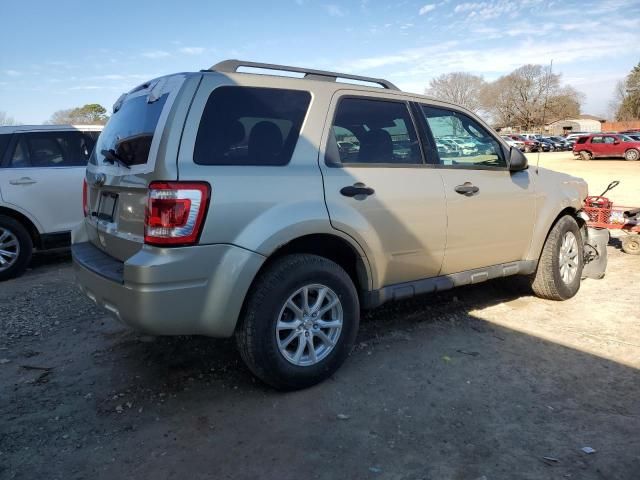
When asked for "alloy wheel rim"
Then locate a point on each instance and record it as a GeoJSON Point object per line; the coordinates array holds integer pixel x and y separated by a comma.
{"type": "Point", "coordinates": [309, 325]}
{"type": "Point", "coordinates": [568, 258]}
{"type": "Point", "coordinates": [9, 249]}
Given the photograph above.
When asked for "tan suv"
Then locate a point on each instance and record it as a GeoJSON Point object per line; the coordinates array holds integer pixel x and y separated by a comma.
{"type": "Point", "coordinates": [274, 208]}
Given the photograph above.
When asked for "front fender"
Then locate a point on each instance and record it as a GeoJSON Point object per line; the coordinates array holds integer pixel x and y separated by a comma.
{"type": "Point", "coordinates": [556, 194]}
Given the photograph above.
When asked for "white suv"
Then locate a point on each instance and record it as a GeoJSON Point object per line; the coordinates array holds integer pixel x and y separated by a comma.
{"type": "Point", "coordinates": [41, 175]}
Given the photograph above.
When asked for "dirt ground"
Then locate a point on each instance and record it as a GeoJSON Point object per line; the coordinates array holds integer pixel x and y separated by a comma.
{"type": "Point", "coordinates": [483, 382]}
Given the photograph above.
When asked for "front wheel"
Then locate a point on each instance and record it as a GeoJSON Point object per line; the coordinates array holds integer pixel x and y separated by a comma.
{"type": "Point", "coordinates": [300, 321]}
{"type": "Point", "coordinates": [561, 262]}
{"type": "Point", "coordinates": [632, 155]}
{"type": "Point", "coordinates": [15, 248]}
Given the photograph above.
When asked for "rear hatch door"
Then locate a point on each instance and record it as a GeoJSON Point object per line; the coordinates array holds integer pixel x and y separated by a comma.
{"type": "Point", "coordinates": [138, 145]}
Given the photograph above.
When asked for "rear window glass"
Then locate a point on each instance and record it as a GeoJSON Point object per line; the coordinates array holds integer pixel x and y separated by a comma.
{"type": "Point", "coordinates": [129, 132]}
{"type": "Point", "coordinates": [250, 126]}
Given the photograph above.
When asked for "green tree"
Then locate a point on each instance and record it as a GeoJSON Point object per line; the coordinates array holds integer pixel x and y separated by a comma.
{"type": "Point", "coordinates": [627, 96]}
{"type": "Point", "coordinates": [90, 114]}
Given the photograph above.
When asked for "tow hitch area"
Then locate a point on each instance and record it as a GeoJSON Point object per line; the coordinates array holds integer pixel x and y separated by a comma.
{"type": "Point", "coordinates": [595, 253]}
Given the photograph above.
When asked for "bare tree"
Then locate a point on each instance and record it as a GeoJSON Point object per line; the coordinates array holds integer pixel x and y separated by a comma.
{"type": "Point", "coordinates": [7, 120]}
{"type": "Point", "coordinates": [460, 88]}
{"type": "Point", "coordinates": [519, 98]}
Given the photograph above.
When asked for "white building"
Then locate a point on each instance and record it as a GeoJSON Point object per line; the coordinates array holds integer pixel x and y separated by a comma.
{"type": "Point", "coordinates": [582, 123]}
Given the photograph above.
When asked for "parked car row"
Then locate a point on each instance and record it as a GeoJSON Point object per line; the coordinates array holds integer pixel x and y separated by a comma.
{"type": "Point", "coordinates": [530, 142]}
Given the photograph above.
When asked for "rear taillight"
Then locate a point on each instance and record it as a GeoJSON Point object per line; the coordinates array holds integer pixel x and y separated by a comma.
{"type": "Point", "coordinates": [175, 212]}
{"type": "Point", "coordinates": [85, 199]}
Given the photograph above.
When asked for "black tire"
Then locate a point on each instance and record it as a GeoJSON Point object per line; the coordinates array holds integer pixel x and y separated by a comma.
{"type": "Point", "coordinates": [631, 244]}
{"type": "Point", "coordinates": [547, 281]}
{"type": "Point", "coordinates": [24, 248]}
{"type": "Point", "coordinates": [256, 337]}
{"type": "Point", "coordinates": [584, 155]}
{"type": "Point", "coordinates": [632, 155]}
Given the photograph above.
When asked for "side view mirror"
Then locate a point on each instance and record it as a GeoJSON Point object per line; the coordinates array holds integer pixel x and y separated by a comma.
{"type": "Point", "coordinates": [517, 160]}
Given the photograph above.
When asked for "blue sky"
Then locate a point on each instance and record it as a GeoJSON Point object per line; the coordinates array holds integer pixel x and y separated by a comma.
{"type": "Point", "coordinates": [61, 54]}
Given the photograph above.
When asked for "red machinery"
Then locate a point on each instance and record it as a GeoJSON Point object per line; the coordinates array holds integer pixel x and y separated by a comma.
{"type": "Point", "coordinates": [603, 214]}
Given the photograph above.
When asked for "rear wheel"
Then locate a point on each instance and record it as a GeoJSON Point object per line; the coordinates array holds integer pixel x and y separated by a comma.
{"type": "Point", "coordinates": [15, 248]}
{"type": "Point", "coordinates": [631, 244]}
{"type": "Point", "coordinates": [632, 155]}
{"type": "Point", "coordinates": [300, 321]}
{"type": "Point", "coordinates": [560, 267]}
{"type": "Point", "coordinates": [584, 155]}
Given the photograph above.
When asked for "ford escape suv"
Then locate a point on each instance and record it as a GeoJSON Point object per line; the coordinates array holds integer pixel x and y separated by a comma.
{"type": "Point", "coordinates": [272, 208]}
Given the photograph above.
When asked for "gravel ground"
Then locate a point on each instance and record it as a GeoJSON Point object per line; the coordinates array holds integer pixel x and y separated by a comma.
{"type": "Point", "coordinates": [483, 382]}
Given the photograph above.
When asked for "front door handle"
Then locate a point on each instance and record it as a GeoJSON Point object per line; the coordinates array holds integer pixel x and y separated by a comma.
{"type": "Point", "coordinates": [357, 189]}
{"type": "Point", "coordinates": [467, 189]}
{"type": "Point", "coordinates": [22, 181]}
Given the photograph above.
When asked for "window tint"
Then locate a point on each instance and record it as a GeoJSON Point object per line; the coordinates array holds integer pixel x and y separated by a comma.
{"type": "Point", "coordinates": [130, 130]}
{"type": "Point", "coordinates": [461, 141]}
{"type": "Point", "coordinates": [582, 140]}
{"type": "Point", "coordinates": [373, 131]}
{"type": "Point", "coordinates": [51, 149]}
{"type": "Point", "coordinates": [610, 140]}
{"type": "Point", "coordinates": [597, 140]}
{"type": "Point", "coordinates": [250, 126]}
{"type": "Point", "coordinates": [4, 143]}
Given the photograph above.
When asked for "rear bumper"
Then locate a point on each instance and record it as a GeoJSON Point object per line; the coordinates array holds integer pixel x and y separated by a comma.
{"type": "Point", "coordinates": [195, 290]}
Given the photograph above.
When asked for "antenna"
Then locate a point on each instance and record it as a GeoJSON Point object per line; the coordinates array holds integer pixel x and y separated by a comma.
{"type": "Point", "coordinates": [544, 109]}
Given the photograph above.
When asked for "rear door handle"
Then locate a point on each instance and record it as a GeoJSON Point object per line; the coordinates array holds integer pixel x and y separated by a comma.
{"type": "Point", "coordinates": [467, 189]}
{"type": "Point", "coordinates": [357, 189]}
{"type": "Point", "coordinates": [22, 181]}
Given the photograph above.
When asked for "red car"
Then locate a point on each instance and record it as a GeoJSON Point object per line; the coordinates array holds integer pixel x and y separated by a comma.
{"type": "Point", "coordinates": [529, 145]}
{"type": "Point", "coordinates": [607, 145]}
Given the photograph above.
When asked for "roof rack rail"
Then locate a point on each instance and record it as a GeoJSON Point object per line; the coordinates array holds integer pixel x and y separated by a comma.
{"type": "Point", "coordinates": [231, 66]}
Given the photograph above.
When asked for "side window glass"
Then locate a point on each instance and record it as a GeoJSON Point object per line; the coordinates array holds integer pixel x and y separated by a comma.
{"type": "Point", "coordinates": [250, 126]}
{"type": "Point", "coordinates": [370, 131]}
{"type": "Point", "coordinates": [461, 141]}
{"type": "Point", "coordinates": [20, 158]}
{"type": "Point", "coordinates": [609, 140]}
{"type": "Point", "coordinates": [596, 140]}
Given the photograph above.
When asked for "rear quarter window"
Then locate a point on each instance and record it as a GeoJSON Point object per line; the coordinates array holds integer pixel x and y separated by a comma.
{"type": "Point", "coordinates": [582, 140]}
{"type": "Point", "coordinates": [250, 126]}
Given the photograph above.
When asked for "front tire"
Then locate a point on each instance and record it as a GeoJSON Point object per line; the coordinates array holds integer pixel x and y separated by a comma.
{"type": "Point", "coordinates": [300, 322]}
{"type": "Point", "coordinates": [15, 248]}
{"type": "Point", "coordinates": [560, 267]}
{"type": "Point", "coordinates": [632, 155]}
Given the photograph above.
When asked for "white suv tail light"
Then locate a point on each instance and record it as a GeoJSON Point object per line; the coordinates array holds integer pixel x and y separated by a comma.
{"type": "Point", "coordinates": [175, 212]}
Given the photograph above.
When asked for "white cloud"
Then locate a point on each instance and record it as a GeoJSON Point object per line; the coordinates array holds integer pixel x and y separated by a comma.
{"type": "Point", "coordinates": [156, 54]}
{"type": "Point", "coordinates": [12, 73]}
{"type": "Point", "coordinates": [192, 50]}
{"type": "Point", "coordinates": [426, 9]}
{"type": "Point", "coordinates": [335, 10]}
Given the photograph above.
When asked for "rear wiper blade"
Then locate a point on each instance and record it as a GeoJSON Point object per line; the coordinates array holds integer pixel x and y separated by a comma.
{"type": "Point", "coordinates": [112, 157]}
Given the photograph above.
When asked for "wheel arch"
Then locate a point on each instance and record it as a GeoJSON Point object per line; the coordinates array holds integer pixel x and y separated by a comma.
{"type": "Point", "coordinates": [536, 250]}
{"type": "Point", "coordinates": [328, 245]}
{"type": "Point", "coordinates": [29, 224]}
